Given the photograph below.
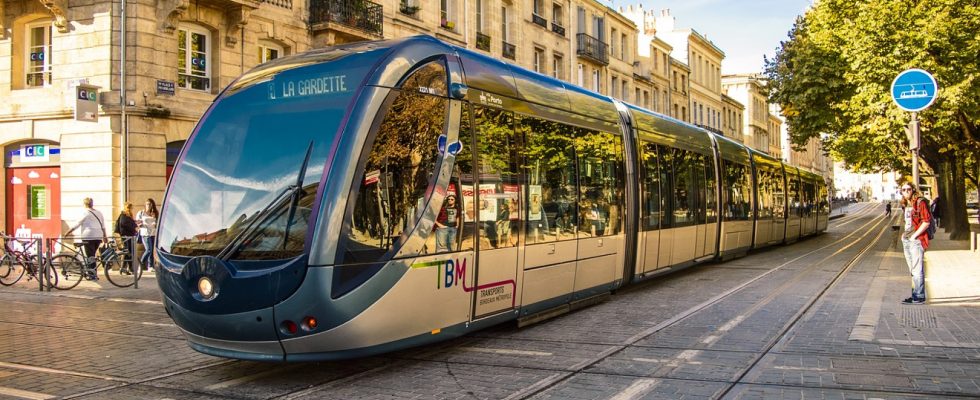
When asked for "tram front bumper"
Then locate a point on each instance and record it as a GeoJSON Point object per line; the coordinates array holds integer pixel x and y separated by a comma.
{"type": "Point", "coordinates": [248, 336]}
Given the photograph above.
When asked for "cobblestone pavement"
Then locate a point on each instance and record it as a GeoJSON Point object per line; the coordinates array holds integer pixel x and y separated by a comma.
{"type": "Point", "coordinates": [817, 319]}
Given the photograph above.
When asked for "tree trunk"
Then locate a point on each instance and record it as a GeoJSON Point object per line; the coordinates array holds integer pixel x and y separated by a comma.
{"type": "Point", "coordinates": [955, 215]}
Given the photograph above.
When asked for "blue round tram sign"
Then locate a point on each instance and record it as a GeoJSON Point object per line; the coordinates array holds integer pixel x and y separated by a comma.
{"type": "Point", "coordinates": [914, 90]}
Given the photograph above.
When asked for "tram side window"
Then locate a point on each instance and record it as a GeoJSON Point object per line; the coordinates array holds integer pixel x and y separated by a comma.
{"type": "Point", "coordinates": [697, 170]}
{"type": "Point", "coordinates": [667, 187]}
{"type": "Point", "coordinates": [711, 185]}
{"type": "Point", "coordinates": [766, 180]}
{"type": "Point", "coordinates": [549, 157]}
{"type": "Point", "coordinates": [600, 174]}
{"type": "Point", "coordinates": [499, 189]}
{"type": "Point", "coordinates": [651, 186]}
{"type": "Point", "coordinates": [685, 188]}
{"type": "Point", "coordinates": [399, 170]}
{"type": "Point", "coordinates": [793, 198]}
{"type": "Point", "coordinates": [737, 192]}
{"type": "Point", "coordinates": [808, 197]}
{"type": "Point", "coordinates": [454, 223]}
{"type": "Point", "coordinates": [778, 195]}
{"type": "Point", "coordinates": [824, 206]}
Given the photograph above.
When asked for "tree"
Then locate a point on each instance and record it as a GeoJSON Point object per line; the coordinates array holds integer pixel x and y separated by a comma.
{"type": "Point", "coordinates": [834, 74]}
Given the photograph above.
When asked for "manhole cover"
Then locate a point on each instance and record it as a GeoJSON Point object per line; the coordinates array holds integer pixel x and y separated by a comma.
{"type": "Point", "coordinates": [873, 380]}
{"type": "Point", "coordinates": [919, 318]}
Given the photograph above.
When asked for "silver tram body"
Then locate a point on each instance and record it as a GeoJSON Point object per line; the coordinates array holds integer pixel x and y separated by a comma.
{"type": "Point", "coordinates": [307, 217]}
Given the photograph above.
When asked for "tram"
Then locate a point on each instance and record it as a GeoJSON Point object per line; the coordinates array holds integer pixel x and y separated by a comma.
{"type": "Point", "coordinates": [374, 196]}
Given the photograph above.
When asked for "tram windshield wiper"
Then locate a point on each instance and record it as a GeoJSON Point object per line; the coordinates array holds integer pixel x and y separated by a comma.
{"type": "Point", "coordinates": [291, 193]}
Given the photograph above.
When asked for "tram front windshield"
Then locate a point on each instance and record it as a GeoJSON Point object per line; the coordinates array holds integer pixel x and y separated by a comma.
{"type": "Point", "coordinates": [238, 192]}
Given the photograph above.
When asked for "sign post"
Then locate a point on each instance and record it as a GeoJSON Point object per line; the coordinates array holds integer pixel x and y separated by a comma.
{"type": "Point", "coordinates": [914, 90]}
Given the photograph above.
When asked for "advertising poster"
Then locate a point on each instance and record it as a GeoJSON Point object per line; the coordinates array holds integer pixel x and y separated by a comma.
{"type": "Point", "coordinates": [468, 210]}
{"type": "Point", "coordinates": [511, 194]}
{"type": "Point", "coordinates": [534, 203]}
{"type": "Point", "coordinates": [488, 202]}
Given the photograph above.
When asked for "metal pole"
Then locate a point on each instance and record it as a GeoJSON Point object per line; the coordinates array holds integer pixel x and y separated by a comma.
{"type": "Point", "coordinates": [123, 118]}
{"type": "Point", "coordinates": [915, 150]}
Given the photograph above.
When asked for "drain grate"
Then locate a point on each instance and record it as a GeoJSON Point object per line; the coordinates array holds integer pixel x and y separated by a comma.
{"type": "Point", "coordinates": [887, 381]}
{"type": "Point", "coordinates": [919, 318]}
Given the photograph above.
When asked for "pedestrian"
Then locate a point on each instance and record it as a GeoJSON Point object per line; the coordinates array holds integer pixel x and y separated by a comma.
{"type": "Point", "coordinates": [888, 209]}
{"type": "Point", "coordinates": [126, 228]}
{"type": "Point", "coordinates": [915, 241]}
{"type": "Point", "coordinates": [146, 219]}
{"type": "Point", "coordinates": [446, 225]}
{"type": "Point", "coordinates": [936, 208]}
{"type": "Point", "coordinates": [92, 233]}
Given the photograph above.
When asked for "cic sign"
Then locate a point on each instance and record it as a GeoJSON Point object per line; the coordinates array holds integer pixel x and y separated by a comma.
{"type": "Point", "coordinates": [87, 103]}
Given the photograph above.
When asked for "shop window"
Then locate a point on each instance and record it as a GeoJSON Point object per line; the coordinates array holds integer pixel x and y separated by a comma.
{"type": "Point", "coordinates": [193, 58]}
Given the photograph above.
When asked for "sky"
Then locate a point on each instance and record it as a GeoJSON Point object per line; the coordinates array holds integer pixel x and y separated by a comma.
{"type": "Point", "coordinates": [744, 29]}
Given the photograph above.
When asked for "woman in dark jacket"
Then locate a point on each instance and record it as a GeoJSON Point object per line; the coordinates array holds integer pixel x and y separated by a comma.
{"type": "Point", "coordinates": [126, 228]}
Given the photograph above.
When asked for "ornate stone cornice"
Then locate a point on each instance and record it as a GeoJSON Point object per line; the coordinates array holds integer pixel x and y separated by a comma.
{"type": "Point", "coordinates": [169, 12]}
{"type": "Point", "coordinates": [236, 18]}
{"type": "Point", "coordinates": [59, 8]}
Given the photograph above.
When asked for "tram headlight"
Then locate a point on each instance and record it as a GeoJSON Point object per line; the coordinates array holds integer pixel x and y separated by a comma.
{"type": "Point", "coordinates": [206, 288]}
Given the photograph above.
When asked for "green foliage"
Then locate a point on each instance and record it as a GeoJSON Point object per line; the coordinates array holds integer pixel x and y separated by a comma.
{"type": "Point", "coordinates": [833, 77]}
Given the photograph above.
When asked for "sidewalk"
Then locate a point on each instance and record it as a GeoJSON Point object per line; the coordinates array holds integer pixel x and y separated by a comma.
{"type": "Point", "coordinates": [952, 272]}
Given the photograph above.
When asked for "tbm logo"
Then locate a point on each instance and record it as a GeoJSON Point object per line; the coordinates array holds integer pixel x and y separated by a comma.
{"type": "Point", "coordinates": [451, 274]}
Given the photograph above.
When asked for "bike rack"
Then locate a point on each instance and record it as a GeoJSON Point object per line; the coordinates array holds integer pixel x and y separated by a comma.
{"type": "Point", "coordinates": [25, 244]}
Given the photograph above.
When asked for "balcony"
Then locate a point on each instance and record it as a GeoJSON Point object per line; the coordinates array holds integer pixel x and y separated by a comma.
{"type": "Point", "coordinates": [537, 19]}
{"type": "Point", "coordinates": [350, 20]}
{"type": "Point", "coordinates": [592, 48]}
{"type": "Point", "coordinates": [482, 41]}
{"type": "Point", "coordinates": [510, 51]}
{"type": "Point", "coordinates": [407, 9]}
{"type": "Point", "coordinates": [558, 29]}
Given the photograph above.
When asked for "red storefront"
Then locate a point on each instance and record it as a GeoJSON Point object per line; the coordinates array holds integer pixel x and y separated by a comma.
{"type": "Point", "coordinates": [33, 189]}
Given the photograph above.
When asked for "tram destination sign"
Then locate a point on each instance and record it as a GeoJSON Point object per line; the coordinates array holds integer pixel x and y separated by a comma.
{"type": "Point", "coordinates": [914, 90]}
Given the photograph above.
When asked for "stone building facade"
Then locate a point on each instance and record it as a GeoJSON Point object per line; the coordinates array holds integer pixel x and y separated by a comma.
{"type": "Point", "coordinates": [179, 55]}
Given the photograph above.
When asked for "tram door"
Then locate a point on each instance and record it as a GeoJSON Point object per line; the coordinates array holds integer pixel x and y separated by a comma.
{"type": "Point", "coordinates": [499, 210]}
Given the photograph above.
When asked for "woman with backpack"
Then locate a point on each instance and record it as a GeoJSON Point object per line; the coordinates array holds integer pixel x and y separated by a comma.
{"type": "Point", "coordinates": [915, 240]}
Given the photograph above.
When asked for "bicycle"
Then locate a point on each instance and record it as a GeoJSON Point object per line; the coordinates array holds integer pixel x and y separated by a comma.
{"type": "Point", "coordinates": [72, 265]}
{"type": "Point", "coordinates": [15, 263]}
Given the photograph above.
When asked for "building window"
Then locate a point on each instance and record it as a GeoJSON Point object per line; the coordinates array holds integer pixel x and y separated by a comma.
{"type": "Point", "coordinates": [479, 16]}
{"type": "Point", "coordinates": [557, 15]}
{"type": "Point", "coordinates": [539, 60]}
{"type": "Point", "coordinates": [447, 14]}
{"type": "Point", "coordinates": [558, 66]}
{"type": "Point", "coordinates": [581, 75]}
{"type": "Point", "coordinates": [626, 88]}
{"type": "Point", "coordinates": [638, 99]}
{"type": "Point", "coordinates": [504, 24]}
{"type": "Point", "coordinates": [614, 86]}
{"type": "Point", "coordinates": [622, 47]}
{"type": "Point", "coordinates": [596, 81]}
{"type": "Point", "coordinates": [193, 58]}
{"type": "Point", "coordinates": [612, 46]}
{"type": "Point", "coordinates": [269, 52]}
{"type": "Point", "coordinates": [38, 57]}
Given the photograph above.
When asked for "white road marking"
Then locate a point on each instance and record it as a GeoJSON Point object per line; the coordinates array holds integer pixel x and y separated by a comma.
{"type": "Point", "coordinates": [58, 371]}
{"type": "Point", "coordinates": [24, 394]}
{"type": "Point", "coordinates": [637, 389]}
{"type": "Point", "coordinates": [505, 351]}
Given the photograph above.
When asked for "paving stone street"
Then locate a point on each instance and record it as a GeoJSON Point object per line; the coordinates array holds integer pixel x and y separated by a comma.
{"type": "Point", "coordinates": [820, 318]}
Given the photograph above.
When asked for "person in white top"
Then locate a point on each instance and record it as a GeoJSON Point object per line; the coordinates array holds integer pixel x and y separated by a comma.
{"type": "Point", "coordinates": [146, 219]}
{"type": "Point", "coordinates": [92, 233]}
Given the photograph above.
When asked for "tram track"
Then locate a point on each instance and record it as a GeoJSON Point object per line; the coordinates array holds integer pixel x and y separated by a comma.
{"type": "Point", "coordinates": [877, 222]}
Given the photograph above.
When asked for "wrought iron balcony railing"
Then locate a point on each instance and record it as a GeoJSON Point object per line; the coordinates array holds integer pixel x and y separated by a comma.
{"type": "Point", "coordinates": [482, 41]}
{"type": "Point", "coordinates": [592, 48]}
{"type": "Point", "coordinates": [510, 51]}
{"type": "Point", "coordinates": [361, 15]}
{"type": "Point", "coordinates": [558, 29]}
{"type": "Point", "coordinates": [537, 19]}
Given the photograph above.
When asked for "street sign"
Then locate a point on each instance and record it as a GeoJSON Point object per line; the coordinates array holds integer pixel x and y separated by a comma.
{"type": "Point", "coordinates": [914, 90]}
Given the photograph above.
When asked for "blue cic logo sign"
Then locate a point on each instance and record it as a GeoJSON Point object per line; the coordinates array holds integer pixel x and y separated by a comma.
{"type": "Point", "coordinates": [914, 90]}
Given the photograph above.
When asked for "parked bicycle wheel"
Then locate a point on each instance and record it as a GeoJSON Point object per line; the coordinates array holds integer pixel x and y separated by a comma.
{"type": "Point", "coordinates": [36, 268]}
{"type": "Point", "coordinates": [118, 271]}
{"type": "Point", "coordinates": [10, 270]}
{"type": "Point", "coordinates": [69, 269]}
